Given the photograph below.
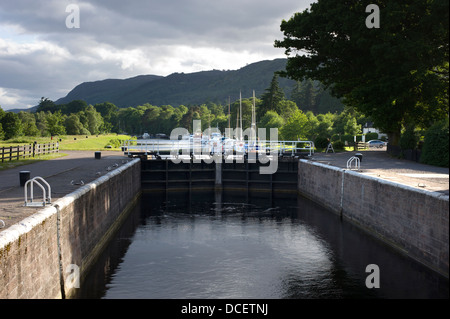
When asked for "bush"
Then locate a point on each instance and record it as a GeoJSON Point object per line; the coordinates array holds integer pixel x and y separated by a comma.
{"type": "Point", "coordinates": [371, 136]}
{"type": "Point", "coordinates": [338, 146]}
{"type": "Point", "coordinates": [351, 138]}
{"type": "Point", "coordinates": [321, 142]}
{"type": "Point", "coordinates": [435, 148]}
{"type": "Point", "coordinates": [115, 143]}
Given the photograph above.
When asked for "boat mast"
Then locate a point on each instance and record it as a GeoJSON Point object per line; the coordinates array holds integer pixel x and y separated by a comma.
{"type": "Point", "coordinates": [240, 110]}
{"type": "Point", "coordinates": [229, 113]}
{"type": "Point", "coordinates": [253, 125]}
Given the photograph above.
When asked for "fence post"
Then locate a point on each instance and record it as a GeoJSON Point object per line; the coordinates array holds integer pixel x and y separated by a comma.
{"type": "Point", "coordinates": [3, 154]}
{"type": "Point", "coordinates": [18, 152]}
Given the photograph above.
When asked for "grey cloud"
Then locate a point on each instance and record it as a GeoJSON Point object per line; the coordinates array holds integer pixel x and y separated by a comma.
{"type": "Point", "coordinates": [120, 39]}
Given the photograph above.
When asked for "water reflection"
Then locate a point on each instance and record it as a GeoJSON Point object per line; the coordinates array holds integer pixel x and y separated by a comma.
{"type": "Point", "coordinates": [209, 245]}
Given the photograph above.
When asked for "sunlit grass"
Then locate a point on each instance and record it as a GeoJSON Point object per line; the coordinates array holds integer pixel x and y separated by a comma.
{"type": "Point", "coordinates": [71, 142]}
{"type": "Point", "coordinates": [91, 142]}
{"type": "Point", "coordinates": [66, 143]}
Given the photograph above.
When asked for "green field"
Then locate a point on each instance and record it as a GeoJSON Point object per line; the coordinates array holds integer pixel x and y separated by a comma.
{"type": "Point", "coordinates": [73, 142]}
{"type": "Point", "coordinates": [66, 143]}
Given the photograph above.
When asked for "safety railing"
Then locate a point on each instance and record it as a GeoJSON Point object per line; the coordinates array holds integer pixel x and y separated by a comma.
{"type": "Point", "coordinates": [159, 147]}
{"type": "Point", "coordinates": [46, 192]}
{"type": "Point", "coordinates": [355, 161]}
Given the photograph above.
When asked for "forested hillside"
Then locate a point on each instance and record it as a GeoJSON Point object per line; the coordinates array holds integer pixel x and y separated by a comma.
{"type": "Point", "coordinates": [201, 87]}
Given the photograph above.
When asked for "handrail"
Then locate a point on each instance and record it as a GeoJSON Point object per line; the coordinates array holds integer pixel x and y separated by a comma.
{"type": "Point", "coordinates": [350, 161]}
{"type": "Point", "coordinates": [174, 146]}
{"type": "Point", "coordinates": [46, 199]}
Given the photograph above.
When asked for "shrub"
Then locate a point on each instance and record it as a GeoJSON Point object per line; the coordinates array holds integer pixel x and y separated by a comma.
{"type": "Point", "coordinates": [435, 148]}
{"type": "Point", "coordinates": [321, 142]}
{"type": "Point", "coordinates": [371, 136]}
{"type": "Point", "coordinates": [115, 143]}
{"type": "Point", "coordinates": [338, 146]}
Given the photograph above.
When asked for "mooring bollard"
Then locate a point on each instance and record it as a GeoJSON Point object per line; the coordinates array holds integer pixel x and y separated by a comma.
{"type": "Point", "coordinates": [24, 176]}
{"type": "Point", "coordinates": [98, 155]}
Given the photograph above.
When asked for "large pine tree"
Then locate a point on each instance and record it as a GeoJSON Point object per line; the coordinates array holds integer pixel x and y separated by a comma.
{"type": "Point", "coordinates": [271, 98]}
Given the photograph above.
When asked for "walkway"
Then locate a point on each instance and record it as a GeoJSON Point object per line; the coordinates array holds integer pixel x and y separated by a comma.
{"type": "Point", "coordinates": [378, 163]}
{"type": "Point", "coordinates": [64, 175]}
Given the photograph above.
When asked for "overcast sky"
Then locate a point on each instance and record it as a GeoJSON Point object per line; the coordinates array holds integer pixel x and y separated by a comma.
{"type": "Point", "coordinates": [41, 57]}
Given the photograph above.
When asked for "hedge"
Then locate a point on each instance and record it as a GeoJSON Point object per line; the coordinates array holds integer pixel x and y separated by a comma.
{"type": "Point", "coordinates": [435, 149]}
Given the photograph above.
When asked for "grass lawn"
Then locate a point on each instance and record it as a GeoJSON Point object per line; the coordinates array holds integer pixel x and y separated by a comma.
{"type": "Point", "coordinates": [92, 142]}
{"type": "Point", "coordinates": [72, 142]}
{"type": "Point", "coordinates": [68, 142]}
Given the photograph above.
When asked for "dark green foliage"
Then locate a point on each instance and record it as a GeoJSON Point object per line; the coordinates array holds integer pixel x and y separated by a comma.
{"type": "Point", "coordinates": [272, 97]}
{"type": "Point", "coordinates": [12, 126]}
{"type": "Point", "coordinates": [436, 145]}
{"type": "Point", "coordinates": [321, 142]}
{"type": "Point", "coordinates": [115, 143]}
{"type": "Point", "coordinates": [396, 74]}
{"type": "Point", "coordinates": [371, 136]}
{"type": "Point", "coordinates": [182, 89]}
{"type": "Point", "coordinates": [338, 146]}
{"type": "Point", "coordinates": [409, 139]}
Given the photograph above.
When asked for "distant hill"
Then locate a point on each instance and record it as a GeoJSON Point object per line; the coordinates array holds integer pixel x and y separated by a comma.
{"type": "Point", "coordinates": [180, 88]}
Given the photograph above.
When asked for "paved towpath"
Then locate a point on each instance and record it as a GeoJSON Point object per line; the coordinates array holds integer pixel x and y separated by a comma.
{"type": "Point", "coordinates": [379, 164]}
{"type": "Point", "coordinates": [64, 174]}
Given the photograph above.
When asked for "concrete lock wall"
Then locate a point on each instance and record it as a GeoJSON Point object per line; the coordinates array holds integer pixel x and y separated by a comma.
{"type": "Point", "coordinates": [413, 221]}
{"type": "Point", "coordinates": [46, 254]}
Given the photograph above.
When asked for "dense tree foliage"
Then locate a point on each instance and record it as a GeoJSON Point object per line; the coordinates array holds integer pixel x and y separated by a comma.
{"type": "Point", "coordinates": [397, 74]}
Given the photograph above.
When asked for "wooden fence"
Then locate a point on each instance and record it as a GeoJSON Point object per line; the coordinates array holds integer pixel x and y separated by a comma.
{"type": "Point", "coordinates": [23, 151]}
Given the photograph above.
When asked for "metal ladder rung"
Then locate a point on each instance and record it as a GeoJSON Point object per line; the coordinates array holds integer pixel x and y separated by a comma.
{"type": "Point", "coordinates": [46, 196]}
{"type": "Point", "coordinates": [351, 160]}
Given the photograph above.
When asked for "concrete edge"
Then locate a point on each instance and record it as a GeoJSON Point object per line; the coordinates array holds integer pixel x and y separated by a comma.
{"type": "Point", "coordinates": [437, 195]}
{"type": "Point", "coordinates": [15, 231]}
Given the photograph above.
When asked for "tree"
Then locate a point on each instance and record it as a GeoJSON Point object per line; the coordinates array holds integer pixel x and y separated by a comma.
{"type": "Point", "coordinates": [304, 95]}
{"type": "Point", "coordinates": [94, 120]}
{"type": "Point", "coordinates": [2, 133]}
{"type": "Point", "coordinates": [55, 123]}
{"type": "Point", "coordinates": [45, 105]}
{"type": "Point", "coordinates": [436, 145]}
{"type": "Point", "coordinates": [271, 120]}
{"type": "Point", "coordinates": [272, 97]}
{"type": "Point", "coordinates": [74, 106]}
{"type": "Point", "coordinates": [395, 74]}
{"type": "Point", "coordinates": [28, 123]}
{"type": "Point", "coordinates": [295, 127]}
{"type": "Point", "coordinates": [12, 126]}
{"type": "Point", "coordinates": [41, 122]}
{"type": "Point", "coordinates": [73, 125]}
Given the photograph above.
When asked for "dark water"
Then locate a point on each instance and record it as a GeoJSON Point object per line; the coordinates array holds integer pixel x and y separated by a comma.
{"type": "Point", "coordinates": [227, 246]}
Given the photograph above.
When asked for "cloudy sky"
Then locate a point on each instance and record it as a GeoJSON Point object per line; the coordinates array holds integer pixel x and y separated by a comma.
{"type": "Point", "coordinates": [41, 57]}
